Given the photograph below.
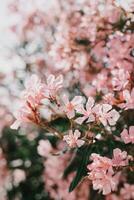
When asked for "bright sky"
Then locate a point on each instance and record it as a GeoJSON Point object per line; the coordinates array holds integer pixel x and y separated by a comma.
{"type": "Point", "coordinates": [5, 37]}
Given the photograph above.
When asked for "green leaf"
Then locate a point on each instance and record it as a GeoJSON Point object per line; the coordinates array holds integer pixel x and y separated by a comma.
{"type": "Point", "coordinates": [61, 124]}
{"type": "Point", "coordinates": [84, 153]}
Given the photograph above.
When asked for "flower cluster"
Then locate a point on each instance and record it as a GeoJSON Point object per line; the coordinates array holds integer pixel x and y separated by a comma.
{"type": "Point", "coordinates": [102, 173]}
{"type": "Point", "coordinates": [32, 98]}
{"type": "Point", "coordinates": [71, 85]}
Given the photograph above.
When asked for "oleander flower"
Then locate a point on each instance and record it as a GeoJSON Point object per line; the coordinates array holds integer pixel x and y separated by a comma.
{"type": "Point", "coordinates": [100, 162]}
{"type": "Point", "coordinates": [25, 115]}
{"type": "Point", "coordinates": [34, 91]}
{"type": "Point", "coordinates": [128, 135]}
{"type": "Point", "coordinates": [129, 99]}
{"type": "Point", "coordinates": [105, 182]}
{"type": "Point", "coordinates": [107, 115]}
{"type": "Point", "coordinates": [120, 79]}
{"type": "Point", "coordinates": [102, 175]}
{"type": "Point", "coordinates": [73, 140]}
{"type": "Point", "coordinates": [88, 113]}
{"type": "Point", "coordinates": [70, 106]}
{"type": "Point", "coordinates": [120, 158]}
{"type": "Point", "coordinates": [54, 84]}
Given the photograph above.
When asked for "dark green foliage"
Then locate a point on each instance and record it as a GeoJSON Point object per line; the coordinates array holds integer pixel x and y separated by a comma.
{"type": "Point", "coordinates": [83, 153]}
{"type": "Point", "coordinates": [17, 146]}
{"type": "Point", "coordinates": [61, 124]}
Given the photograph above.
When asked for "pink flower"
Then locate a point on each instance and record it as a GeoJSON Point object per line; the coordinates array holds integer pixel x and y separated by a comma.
{"type": "Point", "coordinates": [25, 115]}
{"type": "Point", "coordinates": [70, 106]}
{"type": "Point", "coordinates": [129, 98]}
{"type": "Point", "coordinates": [127, 192]}
{"type": "Point", "coordinates": [34, 91]}
{"type": "Point", "coordinates": [44, 148]}
{"type": "Point", "coordinates": [109, 98]}
{"type": "Point", "coordinates": [120, 79]}
{"type": "Point", "coordinates": [104, 182]}
{"type": "Point", "coordinates": [88, 113]}
{"type": "Point", "coordinates": [72, 139]}
{"type": "Point", "coordinates": [99, 162]}
{"type": "Point", "coordinates": [106, 115]}
{"type": "Point", "coordinates": [119, 158]}
{"type": "Point", "coordinates": [53, 86]}
{"type": "Point", "coordinates": [100, 82]}
{"type": "Point", "coordinates": [102, 174]}
{"type": "Point", "coordinates": [128, 136]}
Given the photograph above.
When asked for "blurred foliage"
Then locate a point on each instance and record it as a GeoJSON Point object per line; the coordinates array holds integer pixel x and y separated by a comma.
{"type": "Point", "coordinates": [18, 147]}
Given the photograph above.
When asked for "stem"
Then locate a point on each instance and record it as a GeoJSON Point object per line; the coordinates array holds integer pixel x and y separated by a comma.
{"type": "Point", "coordinates": [46, 126]}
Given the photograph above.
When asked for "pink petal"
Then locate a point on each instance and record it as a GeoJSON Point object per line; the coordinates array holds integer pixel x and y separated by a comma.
{"type": "Point", "coordinates": [80, 143]}
{"type": "Point", "coordinates": [106, 107]}
{"type": "Point", "coordinates": [126, 95]}
{"type": "Point", "coordinates": [131, 130]}
{"type": "Point", "coordinates": [91, 118]}
{"type": "Point", "coordinates": [103, 121]}
{"type": "Point", "coordinates": [59, 81]}
{"type": "Point", "coordinates": [90, 103]}
{"type": "Point", "coordinates": [125, 136]}
{"type": "Point", "coordinates": [106, 189]}
{"type": "Point", "coordinates": [77, 100]}
{"type": "Point", "coordinates": [65, 99]}
{"type": "Point", "coordinates": [80, 120]}
{"type": "Point", "coordinates": [77, 134]}
{"type": "Point", "coordinates": [80, 109]}
{"type": "Point", "coordinates": [116, 152]}
{"type": "Point", "coordinates": [132, 94]}
{"type": "Point", "coordinates": [50, 79]}
{"type": "Point", "coordinates": [70, 114]}
{"type": "Point", "coordinates": [97, 109]}
{"type": "Point", "coordinates": [15, 125]}
{"type": "Point", "coordinates": [131, 133]}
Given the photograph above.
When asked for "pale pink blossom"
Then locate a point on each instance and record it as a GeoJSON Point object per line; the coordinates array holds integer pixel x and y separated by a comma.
{"type": "Point", "coordinates": [71, 106]}
{"type": "Point", "coordinates": [107, 115]}
{"type": "Point", "coordinates": [105, 182]}
{"type": "Point", "coordinates": [73, 140]}
{"type": "Point", "coordinates": [25, 115]}
{"type": "Point", "coordinates": [100, 81]}
{"type": "Point", "coordinates": [120, 79]}
{"type": "Point", "coordinates": [100, 162]}
{"type": "Point", "coordinates": [54, 84]}
{"type": "Point", "coordinates": [102, 175]}
{"type": "Point", "coordinates": [34, 91]}
{"type": "Point", "coordinates": [31, 100]}
{"type": "Point", "coordinates": [128, 135]}
{"type": "Point", "coordinates": [120, 158]}
{"type": "Point", "coordinates": [122, 60]}
{"type": "Point", "coordinates": [88, 113]}
{"type": "Point", "coordinates": [44, 148]}
{"type": "Point", "coordinates": [127, 193]}
{"type": "Point", "coordinates": [129, 99]}
{"type": "Point", "coordinates": [109, 98]}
